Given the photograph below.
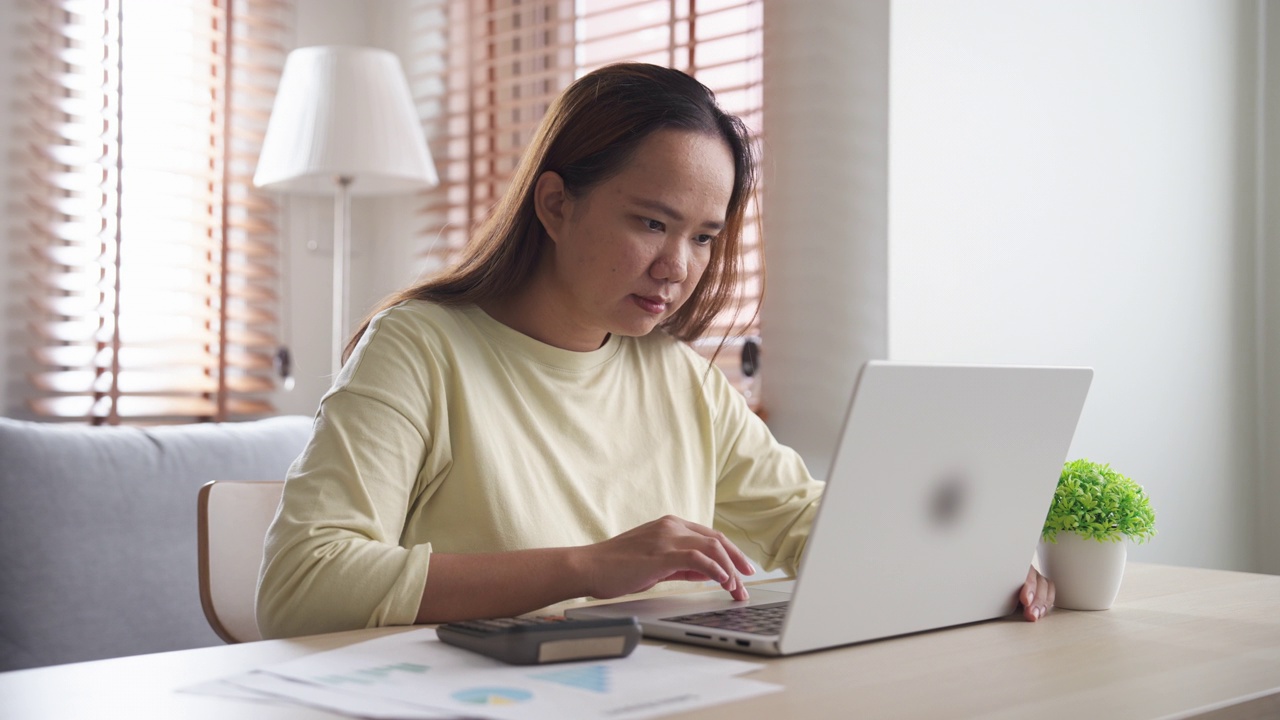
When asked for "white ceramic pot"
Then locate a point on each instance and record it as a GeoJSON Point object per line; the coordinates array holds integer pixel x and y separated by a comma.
{"type": "Point", "coordinates": [1086, 573]}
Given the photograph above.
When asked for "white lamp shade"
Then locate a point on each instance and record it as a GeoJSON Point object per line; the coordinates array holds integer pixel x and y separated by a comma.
{"type": "Point", "coordinates": [344, 112]}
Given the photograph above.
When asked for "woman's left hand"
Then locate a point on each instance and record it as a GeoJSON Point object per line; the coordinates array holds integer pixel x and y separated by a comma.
{"type": "Point", "coordinates": [1036, 596]}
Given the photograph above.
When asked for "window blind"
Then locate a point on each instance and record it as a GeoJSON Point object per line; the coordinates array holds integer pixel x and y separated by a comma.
{"type": "Point", "coordinates": [484, 72]}
{"type": "Point", "coordinates": [154, 287]}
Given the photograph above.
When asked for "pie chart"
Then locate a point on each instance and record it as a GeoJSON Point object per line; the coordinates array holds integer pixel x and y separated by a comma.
{"type": "Point", "coordinates": [492, 696]}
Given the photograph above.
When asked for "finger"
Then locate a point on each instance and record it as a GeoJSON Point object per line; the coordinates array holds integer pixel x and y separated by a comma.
{"type": "Point", "coordinates": [1028, 596]}
{"type": "Point", "coordinates": [1044, 596]}
{"type": "Point", "coordinates": [706, 551]}
{"type": "Point", "coordinates": [715, 546]}
{"type": "Point", "coordinates": [735, 587]}
{"type": "Point", "coordinates": [718, 554]}
{"type": "Point", "coordinates": [1053, 594]}
{"type": "Point", "coordinates": [686, 576]}
{"type": "Point", "coordinates": [735, 555]}
{"type": "Point", "coordinates": [1035, 610]}
{"type": "Point", "coordinates": [695, 560]}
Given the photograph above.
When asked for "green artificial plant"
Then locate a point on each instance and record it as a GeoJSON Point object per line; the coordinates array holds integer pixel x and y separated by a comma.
{"type": "Point", "coordinates": [1096, 502]}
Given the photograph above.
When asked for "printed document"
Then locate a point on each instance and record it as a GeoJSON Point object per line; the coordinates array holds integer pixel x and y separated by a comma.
{"type": "Point", "coordinates": [412, 675]}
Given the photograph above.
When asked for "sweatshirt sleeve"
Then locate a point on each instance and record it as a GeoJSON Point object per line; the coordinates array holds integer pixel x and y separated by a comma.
{"type": "Point", "coordinates": [332, 559]}
{"type": "Point", "coordinates": [766, 499]}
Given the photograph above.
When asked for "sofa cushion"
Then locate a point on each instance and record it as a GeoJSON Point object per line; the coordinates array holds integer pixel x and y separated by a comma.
{"type": "Point", "coordinates": [98, 532]}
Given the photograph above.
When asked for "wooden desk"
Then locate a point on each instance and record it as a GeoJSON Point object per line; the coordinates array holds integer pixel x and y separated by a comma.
{"type": "Point", "coordinates": [1179, 642]}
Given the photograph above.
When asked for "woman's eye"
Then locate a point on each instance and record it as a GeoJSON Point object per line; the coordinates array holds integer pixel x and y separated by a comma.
{"type": "Point", "coordinates": [655, 225]}
{"type": "Point", "coordinates": [704, 239]}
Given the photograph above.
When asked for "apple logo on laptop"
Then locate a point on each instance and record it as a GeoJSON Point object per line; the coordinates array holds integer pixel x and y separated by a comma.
{"type": "Point", "coordinates": [947, 500]}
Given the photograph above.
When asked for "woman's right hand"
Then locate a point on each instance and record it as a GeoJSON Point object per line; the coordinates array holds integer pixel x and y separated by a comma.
{"type": "Point", "coordinates": [669, 548]}
{"type": "Point", "coordinates": [466, 586]}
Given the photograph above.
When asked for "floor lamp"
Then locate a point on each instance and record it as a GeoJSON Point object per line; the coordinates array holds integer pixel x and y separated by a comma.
{"type": "Point", "coordinates": [343, 124]}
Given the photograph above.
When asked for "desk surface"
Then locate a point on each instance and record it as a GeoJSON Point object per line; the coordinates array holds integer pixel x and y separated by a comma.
{"type": "Point", "coordinates": [1179, 642]}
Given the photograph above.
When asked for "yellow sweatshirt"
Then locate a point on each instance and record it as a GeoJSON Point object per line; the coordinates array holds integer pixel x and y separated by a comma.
{"type": "Point", "coordinates": [452, 432]}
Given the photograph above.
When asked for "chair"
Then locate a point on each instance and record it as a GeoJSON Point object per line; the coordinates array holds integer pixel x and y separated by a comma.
{"type": "Point", "coordinates": [231, 527]}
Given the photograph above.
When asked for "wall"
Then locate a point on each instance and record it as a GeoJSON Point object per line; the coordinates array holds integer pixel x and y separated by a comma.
{"type": "Point", "coordinates": [11, 379]}
{"type": "Point", "coordinates": [1073, 183]}
{"type": "Point", "coordinates": [825, 170]}
{"type": "Point", "coordinates": [1268, 291]}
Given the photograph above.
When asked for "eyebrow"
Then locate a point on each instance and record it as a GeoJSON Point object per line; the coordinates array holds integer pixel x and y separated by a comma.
{"type": "Point", "coordinates": [673, 213]}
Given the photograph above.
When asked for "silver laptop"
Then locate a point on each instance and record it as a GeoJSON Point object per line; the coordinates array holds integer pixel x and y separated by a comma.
{"type": "Point", "coordinates": [934, 504]}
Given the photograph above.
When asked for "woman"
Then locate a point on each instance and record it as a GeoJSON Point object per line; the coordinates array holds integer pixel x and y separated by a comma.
{"type": "Point", "coordinates": [530, 427]}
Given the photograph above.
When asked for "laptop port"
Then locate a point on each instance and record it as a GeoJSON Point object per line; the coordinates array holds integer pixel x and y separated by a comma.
{"type": "Point", "coordinates": [744, 643]}
{"type": "Point", "coordinates": [700, 635]}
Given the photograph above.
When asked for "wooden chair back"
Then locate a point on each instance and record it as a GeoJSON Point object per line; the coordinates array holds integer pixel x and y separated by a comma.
{"type": "Point", "coordinates": [232, 522]}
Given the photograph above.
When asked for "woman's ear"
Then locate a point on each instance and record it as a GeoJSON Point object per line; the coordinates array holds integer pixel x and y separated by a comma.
{"type": "Point", "coordinates": [550, 203]}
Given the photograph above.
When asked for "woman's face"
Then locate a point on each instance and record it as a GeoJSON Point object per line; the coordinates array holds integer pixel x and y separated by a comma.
{"type": "Point", "coordinates": [628, 253]}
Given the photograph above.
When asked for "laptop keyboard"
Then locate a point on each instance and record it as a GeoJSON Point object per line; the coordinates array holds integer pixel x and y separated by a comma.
{"type": "Point", "coordinates": [759, 619]}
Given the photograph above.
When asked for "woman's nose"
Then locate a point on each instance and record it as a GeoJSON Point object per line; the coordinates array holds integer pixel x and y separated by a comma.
{"type": "Point", "coordinates": [672, 264]}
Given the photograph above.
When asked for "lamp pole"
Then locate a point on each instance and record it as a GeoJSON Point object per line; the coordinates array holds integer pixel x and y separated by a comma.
{"type": "Point", "coordinates": [341, 263]}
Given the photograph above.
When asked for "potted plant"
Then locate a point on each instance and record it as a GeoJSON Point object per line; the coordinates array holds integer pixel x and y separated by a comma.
{"type": "Point", "coordinates": [1082, 548]}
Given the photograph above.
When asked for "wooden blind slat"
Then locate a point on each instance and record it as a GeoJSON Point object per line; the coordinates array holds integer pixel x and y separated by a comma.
{"type": "Point", "coordinates": [144, 407]}
{"type": "Point", "coordinates": [84, 382]}
{"type": "Point", "coordinates": [93, 356]}
{"type": "Point", "coordinates": [154, 252]}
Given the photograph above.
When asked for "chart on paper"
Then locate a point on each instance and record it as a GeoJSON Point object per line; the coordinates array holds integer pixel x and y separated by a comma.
{"type": "Point", "coordinates": [493, 696]}
{"type": "Point", "coordinates": [594, 678]}
{"type": "Point", "coordinates": [372, 675]}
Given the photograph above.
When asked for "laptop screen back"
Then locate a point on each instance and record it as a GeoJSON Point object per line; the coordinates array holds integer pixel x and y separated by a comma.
{"type": "Point", "coordinates": [936, 496]}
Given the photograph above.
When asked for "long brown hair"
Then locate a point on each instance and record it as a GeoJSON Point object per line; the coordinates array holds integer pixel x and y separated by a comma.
{"type": "Point", "coordinates": [588, 135]}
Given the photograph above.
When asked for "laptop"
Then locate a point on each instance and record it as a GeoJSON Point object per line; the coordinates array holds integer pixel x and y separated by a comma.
{"type": "Point", "coordinates": [934, 503]}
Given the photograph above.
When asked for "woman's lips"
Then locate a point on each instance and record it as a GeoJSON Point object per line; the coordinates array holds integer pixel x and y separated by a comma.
{"type": "Point", "coordinates": [651, 305]}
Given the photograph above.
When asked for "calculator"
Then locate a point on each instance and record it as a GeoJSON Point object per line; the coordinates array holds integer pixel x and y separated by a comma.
{"type": "Point", "coordinates": [548, 639]}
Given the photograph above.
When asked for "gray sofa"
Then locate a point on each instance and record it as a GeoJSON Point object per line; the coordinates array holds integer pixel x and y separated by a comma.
{"type": "Point", "coordinates": [98, 532]}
